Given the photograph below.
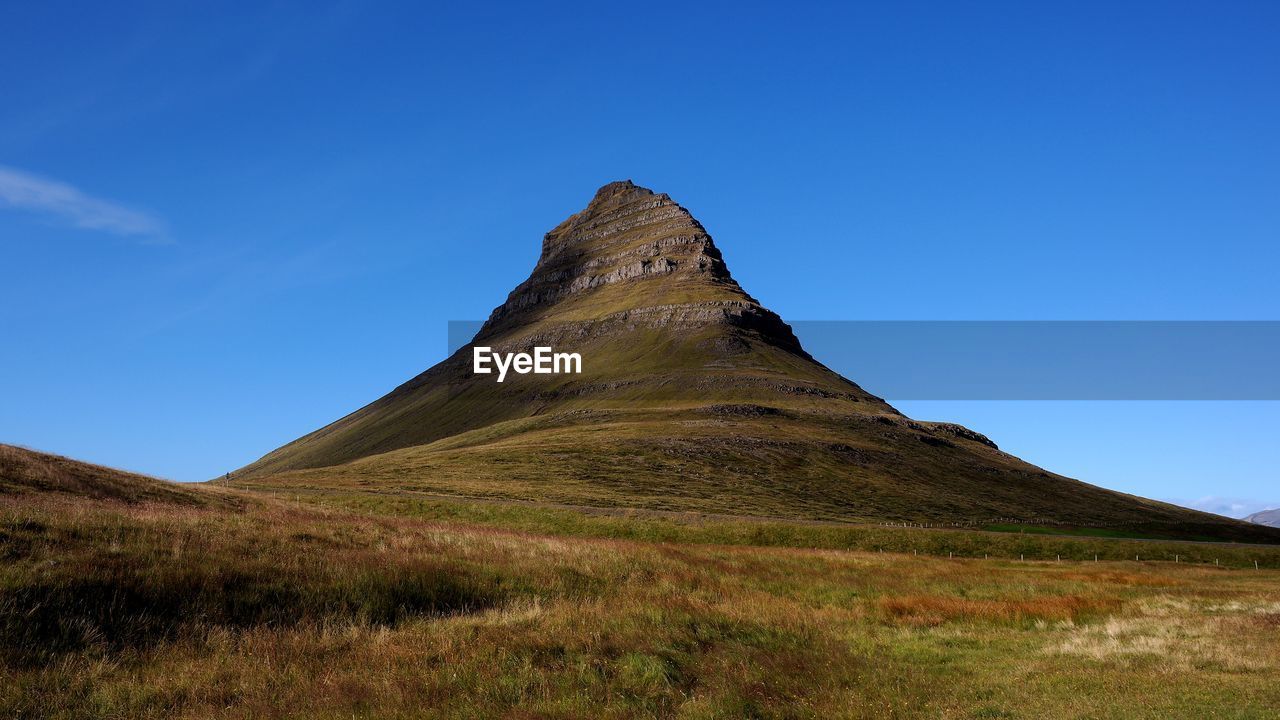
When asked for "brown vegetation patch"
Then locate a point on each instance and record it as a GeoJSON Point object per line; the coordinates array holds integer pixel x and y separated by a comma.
{"type": "Point", "coordinates": [1270, 621]}
{"type": "Point", "coordinates": [929, 610]}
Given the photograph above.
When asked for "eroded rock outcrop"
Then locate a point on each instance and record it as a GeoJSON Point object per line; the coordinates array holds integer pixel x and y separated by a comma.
{"type": "Point", "coordinates": [630, 235]}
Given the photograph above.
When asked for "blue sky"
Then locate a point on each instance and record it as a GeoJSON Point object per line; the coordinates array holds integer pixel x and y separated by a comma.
{"type": "Point", "coordinates": [225, 226]}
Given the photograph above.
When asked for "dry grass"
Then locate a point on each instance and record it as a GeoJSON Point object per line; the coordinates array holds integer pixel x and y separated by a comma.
{"type": "Point", "coordinates": [113, 609]}
{"type": "Point", "coordinates": [1185, 635]}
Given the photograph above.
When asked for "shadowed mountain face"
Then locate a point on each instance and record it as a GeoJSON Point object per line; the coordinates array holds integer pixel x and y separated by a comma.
{"type": "Point", "coordinates": [692, 396]}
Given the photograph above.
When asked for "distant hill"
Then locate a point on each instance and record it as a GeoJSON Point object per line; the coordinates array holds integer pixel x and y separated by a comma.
{"type": "Point", "coordinates": [24, 471]}
{"type": "Point", "coordinates": [693, 397]}
{"type": "Point", "coordinates": [1270, 518]}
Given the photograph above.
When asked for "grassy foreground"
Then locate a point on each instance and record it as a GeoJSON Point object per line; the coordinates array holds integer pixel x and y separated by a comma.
{"type": "Point", "coordinates": [276, 608]}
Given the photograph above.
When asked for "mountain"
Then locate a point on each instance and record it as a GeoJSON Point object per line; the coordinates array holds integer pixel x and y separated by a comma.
{"type": "Point", "coordinates": [1270, 518]}
{"type": "Point", "coordinates": [692, 397]}
{"type": "Point", "coordinates": [32, 473]}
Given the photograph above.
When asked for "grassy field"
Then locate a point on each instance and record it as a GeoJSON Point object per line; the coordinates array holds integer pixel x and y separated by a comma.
{"type": "Point", "coordinates": [1002, 542]}
{"type": "Point", "coordinates": [246, 605]}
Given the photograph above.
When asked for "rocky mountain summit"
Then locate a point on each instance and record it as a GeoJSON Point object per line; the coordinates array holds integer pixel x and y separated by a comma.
{"type": "Point", "coordinates": [692, 397]}
{"type": "Point", "coordinates": [666, 269]}
{"type": "Point", "coordinates": [625, 233]}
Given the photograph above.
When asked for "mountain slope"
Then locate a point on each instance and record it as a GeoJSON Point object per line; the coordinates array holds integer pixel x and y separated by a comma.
{"type": "Point", "coordinates": [26, 472]}
{"type": "Point", "coordinates": [692, 397]}
{"type": "Point", "coordinates": [1270, 518]}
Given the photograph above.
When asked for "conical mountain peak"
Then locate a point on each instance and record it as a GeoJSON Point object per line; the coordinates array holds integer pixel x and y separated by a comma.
{"type": "Point", "coordinates": [690, 395]}
{"type": "Point", "coordinates": [634, 284]}
{"type": "Point", "coordinates": [629, 249]}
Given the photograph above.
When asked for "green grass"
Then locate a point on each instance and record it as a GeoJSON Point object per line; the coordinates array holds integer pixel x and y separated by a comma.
{"type": "Point", "coordinates": [793, 464]}
{"type": "Point", "coordinates": [1088, 532]}
{"type": "Point", "coordinates": [694, 528]}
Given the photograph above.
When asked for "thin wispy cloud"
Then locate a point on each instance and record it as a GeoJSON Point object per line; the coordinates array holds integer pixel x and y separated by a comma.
{"type": "Point", "coordinates": [24, 191]}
